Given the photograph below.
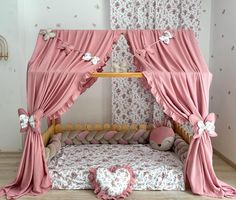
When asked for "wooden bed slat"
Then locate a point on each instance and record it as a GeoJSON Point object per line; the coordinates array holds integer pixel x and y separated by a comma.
{"type": "Point", "coordinates": [48, 134]}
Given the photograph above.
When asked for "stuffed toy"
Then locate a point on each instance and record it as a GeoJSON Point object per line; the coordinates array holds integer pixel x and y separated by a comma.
{"type": "Point", "coordinates": [162, 137]}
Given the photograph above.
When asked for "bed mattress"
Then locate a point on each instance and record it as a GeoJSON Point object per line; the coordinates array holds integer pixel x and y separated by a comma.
{"type": "Point", "coordinates": [154, 170]}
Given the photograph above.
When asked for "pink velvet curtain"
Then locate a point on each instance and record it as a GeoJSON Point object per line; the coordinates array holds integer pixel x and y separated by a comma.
{"type": "Point", "coordinates": [56, 76]}
{"type": "Point", "coordinates": [178, 77]}
{"type": "Point", "coordinates": [176, 74]}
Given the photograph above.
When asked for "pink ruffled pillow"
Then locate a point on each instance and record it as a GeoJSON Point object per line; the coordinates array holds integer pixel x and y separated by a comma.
{"type": "Point", "coordinates": [112, 183]}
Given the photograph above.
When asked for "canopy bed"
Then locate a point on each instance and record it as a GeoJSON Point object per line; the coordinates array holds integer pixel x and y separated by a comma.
{"type": "Point", "coordinates": [69, 153]}
{"type": "Point", "coordinates": [67, 62]}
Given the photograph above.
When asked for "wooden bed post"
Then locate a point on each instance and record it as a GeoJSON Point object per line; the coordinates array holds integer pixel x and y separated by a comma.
{"type": "Point", "coordinates": [48, 133]}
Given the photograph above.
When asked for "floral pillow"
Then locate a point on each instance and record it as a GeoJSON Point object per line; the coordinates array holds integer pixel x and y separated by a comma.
{"type": "Point", "coordinates": [112, 183]}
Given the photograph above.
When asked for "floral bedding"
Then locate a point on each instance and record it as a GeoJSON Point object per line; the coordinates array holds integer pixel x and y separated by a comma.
{"type": "Point", "coordinates": [154, 170]}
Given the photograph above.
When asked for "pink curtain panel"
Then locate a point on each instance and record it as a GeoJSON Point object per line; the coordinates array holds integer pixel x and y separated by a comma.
{"type": "Point", "coordinates": [60, 70]}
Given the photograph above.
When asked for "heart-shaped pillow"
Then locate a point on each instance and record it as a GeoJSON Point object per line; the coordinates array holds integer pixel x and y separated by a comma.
{"type": "Point", "coordinates": [112, 183]}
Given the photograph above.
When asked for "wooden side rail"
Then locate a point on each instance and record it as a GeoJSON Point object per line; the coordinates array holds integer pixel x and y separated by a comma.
{"type": "Point", "coordinates": [98, 127]}
{"type": "Point", "coordinates": [48, 134]}
{"type": "Point", "coordinates": [54, 129]}
{"type": "Point", "coordinates": [182, 133]}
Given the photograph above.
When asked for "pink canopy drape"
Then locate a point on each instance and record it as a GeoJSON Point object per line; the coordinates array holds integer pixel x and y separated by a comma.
{"type": "Point", "coordinates": [56, 76]}
{"type": "Point", "coordinates": [176, 75]}
{"type": "Point", "coordinates": [179, 79]}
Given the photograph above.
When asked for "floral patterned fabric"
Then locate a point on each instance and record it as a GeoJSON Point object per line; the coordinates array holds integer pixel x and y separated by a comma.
{"type": "Point", "coordinates": [107, 179]}
{"type": "Point", "coordinates": [112, 183]}
{"type": "Point", "coordinates": [131, 103]}
{"type": "Point", "coordinates": [154, 170]}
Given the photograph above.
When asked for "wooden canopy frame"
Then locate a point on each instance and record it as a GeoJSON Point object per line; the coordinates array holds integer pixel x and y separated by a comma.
{"type": "Point", "coordinates": [118, 74]}
{"type": "Point", "coordinates": [56, 128]}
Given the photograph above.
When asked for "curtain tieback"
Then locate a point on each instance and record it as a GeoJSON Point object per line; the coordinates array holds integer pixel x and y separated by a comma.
{"type": "Point", "coordinates": [47, 34]}
{"type": "Point", "coordinates": [165, 38]}
{"type": "Point", "coordinates": [203, 126]}
{"type": "Point", "coordinates": [29, 121]}
{"type": "Point", "coordinates": [143, 52]}
{"type": "Point", "coordinates": [66, 47]}
{"type": "Point", "coordinates": [89, 57]}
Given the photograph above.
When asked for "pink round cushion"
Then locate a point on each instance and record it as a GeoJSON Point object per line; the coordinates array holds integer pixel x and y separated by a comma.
{"type": "Point", "coordinates": [162, 138]}
{"type": "Point", "coordinates": [112, 183]}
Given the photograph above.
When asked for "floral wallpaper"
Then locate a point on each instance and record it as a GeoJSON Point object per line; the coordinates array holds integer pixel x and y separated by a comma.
{"type": "Point", "coordinates": [131, 103]}
{"type": "Point", "coordinates": [222, 65]}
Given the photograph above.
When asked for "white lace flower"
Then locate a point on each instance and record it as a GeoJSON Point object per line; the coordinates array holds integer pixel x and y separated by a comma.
{"type": "Point", "coordinates": [208, 126]}
{"type": "Point", "coordinates": [25, 121]}
{"type": "Point", "coordinates": [166, 37]}
{"type": "Point", "coordinates": [88, 57]}
{"type": "Point", "coordinates": [47, 34]}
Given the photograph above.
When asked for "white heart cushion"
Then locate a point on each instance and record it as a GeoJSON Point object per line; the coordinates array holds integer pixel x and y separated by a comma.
{"type": "Point", "coordinates": [112, 183]}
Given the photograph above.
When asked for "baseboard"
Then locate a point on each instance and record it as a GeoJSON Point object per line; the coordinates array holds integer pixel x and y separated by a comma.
{"type": "Point", "coordinates": [228, 161]}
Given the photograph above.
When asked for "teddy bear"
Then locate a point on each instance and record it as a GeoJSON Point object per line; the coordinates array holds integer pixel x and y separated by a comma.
{"type": "Point", "coordinates": [162, 136]}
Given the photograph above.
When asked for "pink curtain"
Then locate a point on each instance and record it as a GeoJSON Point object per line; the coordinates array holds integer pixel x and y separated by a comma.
{"type": "Point", "coordinates": [57, 75]}
{"type": "Point", "coordinates": [178, 77]}
{"type": "Point", "coordinates": [176, 74]}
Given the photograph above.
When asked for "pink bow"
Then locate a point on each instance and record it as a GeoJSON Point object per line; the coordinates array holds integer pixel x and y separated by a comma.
{"type": "Point", "coordinates": [143, 52]}
{"type": "Point", "coordinates": [203, 126]}
{"type": "Point", "coordinates": [29, 121]}
{"type": "Point", "coordinates": [66, 47]}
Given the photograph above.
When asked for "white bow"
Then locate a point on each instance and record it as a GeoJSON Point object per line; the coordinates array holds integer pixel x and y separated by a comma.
{"type": "Point", "coordinates": [208, 126]}
{"type": "Point", "coordinates": [47, 34]}
{"type": "Point", "coordinates": [26, 120]}
{"type": "Point", "coordinates": [166, 37]}
{"type": "Point", "coordinates": [88, 57]}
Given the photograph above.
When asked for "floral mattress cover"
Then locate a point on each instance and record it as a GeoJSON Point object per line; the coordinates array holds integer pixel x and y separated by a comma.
{"type": "Point", "coordinates": [154, 170]}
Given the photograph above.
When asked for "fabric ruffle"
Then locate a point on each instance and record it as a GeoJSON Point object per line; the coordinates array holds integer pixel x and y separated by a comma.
{"type": "Point", "coordinates": [86, 81]}
{"type": "Point", "coordinates": [166, 109]}
{"type": "Point", "coordinates": [102, 194]}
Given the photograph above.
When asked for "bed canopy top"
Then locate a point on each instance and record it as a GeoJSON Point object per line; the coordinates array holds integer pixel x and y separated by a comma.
{"type": "Point", "coordinates": [61, 68]}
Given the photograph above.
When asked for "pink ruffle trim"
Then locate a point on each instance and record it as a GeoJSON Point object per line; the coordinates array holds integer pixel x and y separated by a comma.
{"type": "Point", "coordinates": [148, 84]}
{"type": "Point", "coordinates": [102, 194]}
{"type": "Point", "coordinates": [86, 81]}
{"type": "Point", "coordinates": [161, 102]}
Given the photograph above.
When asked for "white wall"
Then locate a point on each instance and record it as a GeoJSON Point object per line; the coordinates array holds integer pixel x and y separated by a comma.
{"type": "Point", "coordinates": [10, 81]}
{"type": "Point", "coordinates": [205, 26]}
{"type": "Point", "coordinates": [92, 106]}
{"type": "Point", "coordinates": [223, 65]}
{"type": "Point", "coordinates": [95, 104]}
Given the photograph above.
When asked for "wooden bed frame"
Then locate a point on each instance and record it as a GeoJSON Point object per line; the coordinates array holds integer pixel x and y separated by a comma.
{"type": "Point", "coordinates": [57, 128]}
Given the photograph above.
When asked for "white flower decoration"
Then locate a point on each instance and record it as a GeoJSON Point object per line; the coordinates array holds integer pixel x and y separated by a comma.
{"type": "Point", "coordinates": [166, 37]}
{"type": "Point", "coordinates": [47, 34]}
{"type": "Point", "coordinates": [26, 120]}
{"type": "Point", "coordinates": [208, 126]}
{"type": "Point", "coordinates": [88, 57]}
